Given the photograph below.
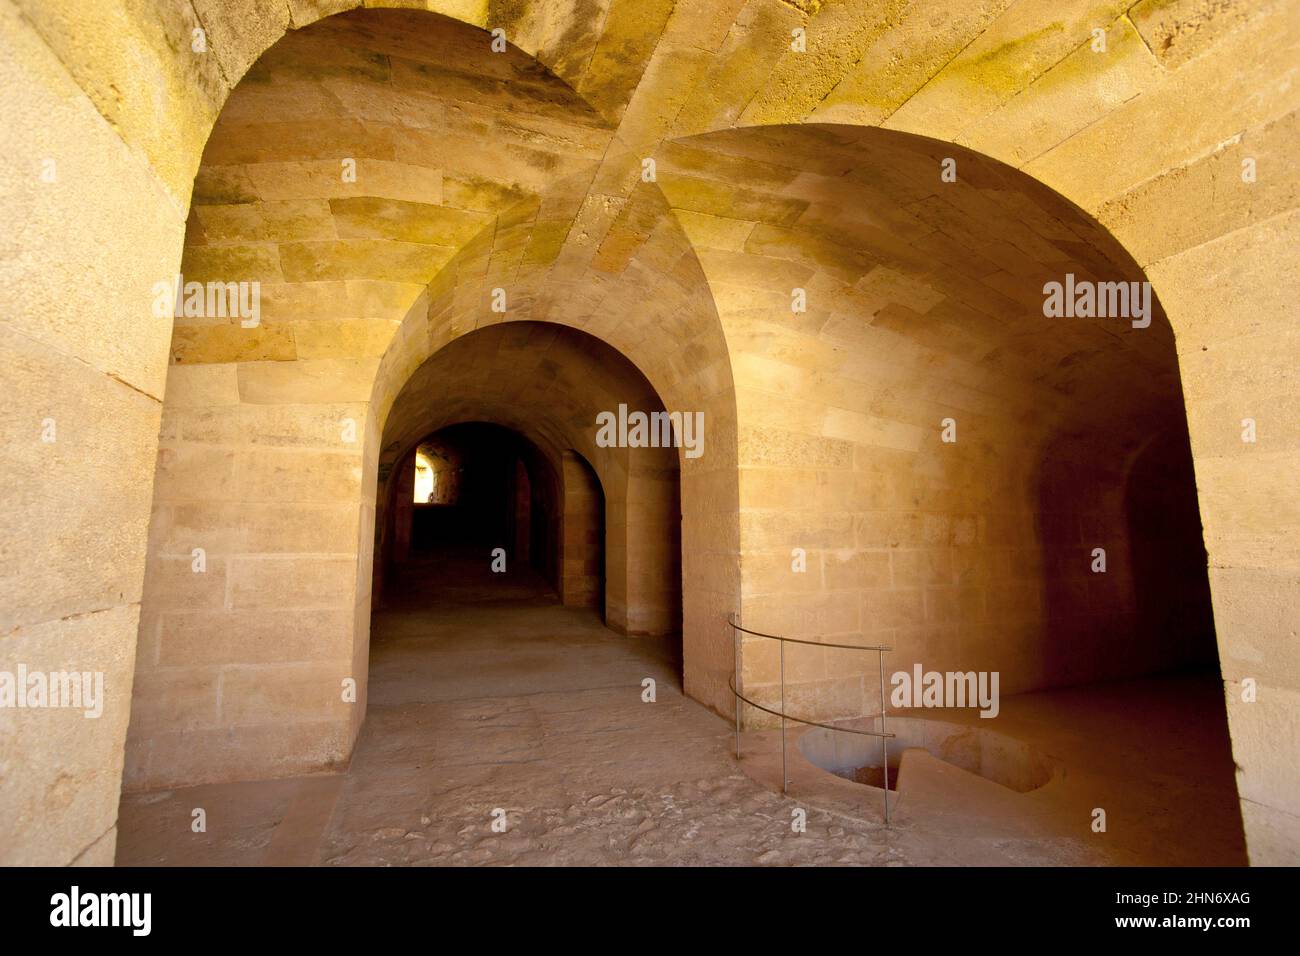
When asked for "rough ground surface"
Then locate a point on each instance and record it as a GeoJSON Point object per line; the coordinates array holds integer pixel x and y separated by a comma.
{"type": "Point", "coordinates": [487, 695]}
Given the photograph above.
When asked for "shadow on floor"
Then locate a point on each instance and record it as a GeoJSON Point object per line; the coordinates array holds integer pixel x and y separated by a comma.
{"type": "Point", "coordinates": [490, 703]}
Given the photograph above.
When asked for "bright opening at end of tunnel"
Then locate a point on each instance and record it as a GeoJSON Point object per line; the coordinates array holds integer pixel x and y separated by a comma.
{"type": "Point", "coordinates": [426, 479]}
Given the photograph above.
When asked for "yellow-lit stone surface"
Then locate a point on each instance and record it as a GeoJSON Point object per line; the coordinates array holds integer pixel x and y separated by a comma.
{"type": "Point", "coordinates": [382, 172]}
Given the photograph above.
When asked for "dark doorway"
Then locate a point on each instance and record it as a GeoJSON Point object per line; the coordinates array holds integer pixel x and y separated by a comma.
{"type": "Point", "coordinates": [477, 491]}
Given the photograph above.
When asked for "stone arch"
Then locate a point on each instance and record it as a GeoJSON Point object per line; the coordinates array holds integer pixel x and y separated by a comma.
{"type": "Point", "coordinates": [886, 302]}
{"type": "Point", "coordinates": [530, 533]}
{"type": "Point", "coordinates": [1028, 87]}
{"type": "Point", "coordinates": [274, 410]}
{"type": "Point", "coordinates": [290, 411]}
{"type": "Point", "coordinates": [549, 382]}
{"type": "Point", "coordinates": [582, 548]}
{"type": "Point", "coordinates": [1200, 94]}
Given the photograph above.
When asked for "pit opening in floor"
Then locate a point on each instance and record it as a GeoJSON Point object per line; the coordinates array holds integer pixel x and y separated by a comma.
{"type": "Point", "coordinates": [987, 753]}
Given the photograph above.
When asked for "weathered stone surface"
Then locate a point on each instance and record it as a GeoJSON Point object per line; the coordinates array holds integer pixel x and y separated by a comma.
{"type": "Point", "coordinates": [94, 433]}
{"type": "Point", "coordinates": [1019, 46]}
{"type": "Point", "coordinates": [137, 64]}
{"type": "Point", "coordinates": [306, 382]}
{"type": "Point", "coordinates": [60, 791]}
{"type": "Point", "coordinates": [383, 173]}
{"type": "Point", "coordinates": [55, 277]}
{"type": "Point", "coordinates": [1085, 86]}
{"type": "Point", "coordinates": [196, 345]}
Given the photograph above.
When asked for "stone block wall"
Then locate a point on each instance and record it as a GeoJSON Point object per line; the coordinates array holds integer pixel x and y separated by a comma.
{"type": "Point", "coordinates": [582, 571]}
{"type": "Point", "coordinates": [835, 410]}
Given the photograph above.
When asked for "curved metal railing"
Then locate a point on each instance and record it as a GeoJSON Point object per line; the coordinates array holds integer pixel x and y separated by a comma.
{"type": "Point", "coordinates": [734, 679]}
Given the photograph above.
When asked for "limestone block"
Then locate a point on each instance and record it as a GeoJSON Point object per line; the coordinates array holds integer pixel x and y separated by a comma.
{"type": "Point", "coordinates": [772, 446]}
{"type": "Point", "coordinates": [231, 263]}
{"type": "Point", "coordinates": [1208, 198]}
{"type": "Point", "coordinates": [203, 344]}
{"type": "Point", "coordinates": [835, 37]}
{"type": "Point", "coordinates": [1074, 93]}
{"type": "Point", "coordinates": [630, 33]}
{"type": "Point", "coordinates": [1260, 732]}
{"type": "Point", "coordinates": [1180, 31]}
{"type": "Point", "coordinates": [68, 426]}
{"type": "Point", "coordinates": [898, 607]}
{"type": "Point", "coordinates": [1248, 511]}
{"type": "Point", "coordinates": [240, 31]}
{"type": "Point", "coordinates": [1272, 835]}
{"type": "Point", "coordinates": [1209, 100]}
{"type": "Point", "coordinates": [477, 193]}
{"type": "Point", "coordinates": [752, 47]}
{"type": "Point", "coordinates": [921, 39]}
{"type": "Point", "coordinates": [300, 426]}
{"type": "Point", "coordinates": [62, 770]}
{"type": "Point", "coordinates": [269, 581]}
{"type": "Point", "coordinates": [85, 249]}
{"type": "Point", "coordinates": [199, 386]}
{"type": "Point", "coordinates": [275, 221]}
{"type": "Point", "coordinates": [256, 752]}
{"type": "Point", "coordinates": [299, 141]}
{"type": "Point", "coordinates": [563, 34]}
{"type": "Point", "coordinates": [846, 568]}
{"type": "Point", "coordinates": [323, 178]}
{"type": "Point", "coordinates": [266, 474]}
{"type": "Point", "coordinates": [269, 693]}
{"type": "Point", "coordinates": [223, 528]}
{"type": "Point", "coordinates": [188, 472]}
{"type": "Point", "coordinates": [366, 217]}
{"type": "Point", "coordinates": [175, 699]}
{"type": "Point", "coordinates": [712, 198]}
{"type": "Point", "coordinates": [1237, 284]}
{"type": "Point", "coordinates": [810, 613]}
{"type": "Point", "coordinates": [305, 12]}
{"type": "Point", "coordinates": [137, 64]}
{"type": "Point", "coordinates": [174, 583]}
{"type": "Point", "coordinates": [362, 258]}
{"type": "Point", "coordinates": [1255, 613]}
{"type": "Point", "coordinates": [1019, 46]}
{"type": "Point", "coordinates": [346, 338]}
{"type": "Point", "coordinates": [307, 381]}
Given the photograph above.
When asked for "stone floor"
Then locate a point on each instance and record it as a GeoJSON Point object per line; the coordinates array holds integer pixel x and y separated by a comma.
{"type": "Point", "coordinates": [488, 699]}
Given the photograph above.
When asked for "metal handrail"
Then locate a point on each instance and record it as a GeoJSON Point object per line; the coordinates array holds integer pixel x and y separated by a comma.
{"type": "Point", "coordinates": [801, 720]}
{"type": "Point", "coordinates": [882, 733]}
{"type": "Point", "coordinates": [796, 640]}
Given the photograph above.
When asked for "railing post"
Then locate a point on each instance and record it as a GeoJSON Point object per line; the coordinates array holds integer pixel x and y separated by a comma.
{"type": "Point", "coordinates": [884, 741]}
{"type": "Point", "coordinates": [883, 732]}
{"type": "Point", "coordinates": [735, 676]}
{"type": "Point", "coordinates": [785, 777]}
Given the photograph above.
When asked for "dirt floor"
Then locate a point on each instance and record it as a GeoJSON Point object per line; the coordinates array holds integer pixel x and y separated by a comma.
{"type": "Point", "coordinates": [489, 700]}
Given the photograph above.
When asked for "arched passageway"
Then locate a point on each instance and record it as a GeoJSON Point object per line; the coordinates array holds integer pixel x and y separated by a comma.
{"type": "Point", "coordinates": [950, 466]}
{"type": "Point", "coordinates": [662, 179]}
{"type": "Point", "coordinates": [472, 489]}
{"type": "Point", "coordinates": [923, 456]}
{"type": "Point", "coordinates": [370, 282]}
{"type": "Point", "coordinates": [939, 453]}
{"type": "Point", "coordinates": [540, 529]}
{"type": "Point", "coordinates": [606, 507]}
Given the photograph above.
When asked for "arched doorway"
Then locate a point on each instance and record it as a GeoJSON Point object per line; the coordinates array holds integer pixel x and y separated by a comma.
{"type": "Point", "coordinates": [604, 525]}
{"type": "Point", "coordinates": [471, 489]}
{"type": "Point", "coordinates": [290, 445]}
{"type": "Point", "coordinates": [542, 585]}
{"type": "Point", "coordinates": [953, 464]}
{"type": "Point", "coordinates": [955, 449]}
